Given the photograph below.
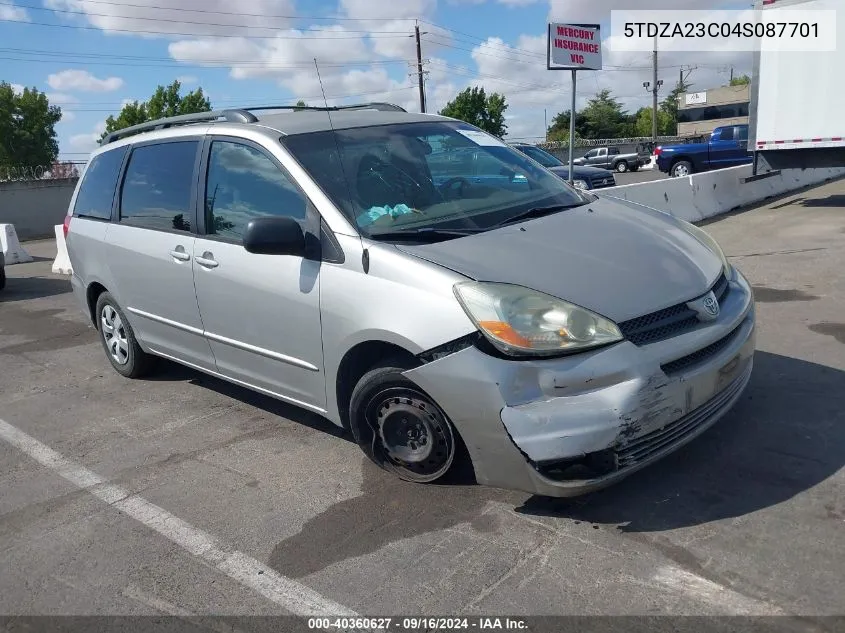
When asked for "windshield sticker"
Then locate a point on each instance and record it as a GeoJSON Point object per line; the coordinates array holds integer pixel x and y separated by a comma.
{"type": "Point", "coordinates": [480, 138]}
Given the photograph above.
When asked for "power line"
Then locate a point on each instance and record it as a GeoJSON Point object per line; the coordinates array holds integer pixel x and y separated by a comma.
{"type": "Point", "coordinates": [249, 15]}
{"type": "Point", "coordinates": [140, 17]}
{"type": "Point", "coordinates": [200, 35]}
{"type": "Point", "coordinates": [250, 102]}
{"type": "Point", "coordinates": [142, 62]}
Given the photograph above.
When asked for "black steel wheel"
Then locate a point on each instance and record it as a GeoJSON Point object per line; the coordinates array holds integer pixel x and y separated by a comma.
{"type": "Point", "coordinates": [400, 427]}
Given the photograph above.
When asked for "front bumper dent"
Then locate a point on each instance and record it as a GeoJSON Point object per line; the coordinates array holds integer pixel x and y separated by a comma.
{"type": "Point", "coordinates": [521, 419]}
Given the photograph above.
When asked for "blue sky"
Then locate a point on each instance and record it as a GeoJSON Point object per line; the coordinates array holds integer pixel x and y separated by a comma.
{"type": "Point", "coordinates": [90, 56]}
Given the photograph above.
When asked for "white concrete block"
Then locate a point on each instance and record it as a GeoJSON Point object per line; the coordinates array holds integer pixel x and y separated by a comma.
{"type": "Point", "coordinates": [12, 249]}
{"type": "Point", "coordinates": [61, 265]}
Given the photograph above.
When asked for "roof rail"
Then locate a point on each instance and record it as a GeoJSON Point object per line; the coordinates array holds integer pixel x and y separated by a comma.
{"type": "Point", "coordinates": [383, 107]}
{"type": "Point", "coordinates": [231, 115]}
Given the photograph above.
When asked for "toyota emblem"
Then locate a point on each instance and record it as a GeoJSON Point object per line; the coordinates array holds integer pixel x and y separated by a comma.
{"type": "Point", "coordinates": [711, 305]}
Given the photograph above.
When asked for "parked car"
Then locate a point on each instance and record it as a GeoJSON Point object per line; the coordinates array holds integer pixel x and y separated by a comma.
{"type": "Point", "coordinates": [2, 270]}
{"type": "Point", "coordinates": [515, 324]}
{"type": "Point", "coordinates": [611, 158]}
{"type": "Point", "coordinates": [586, 178]}
{"type": "Point", "coordinates": [727, 146]}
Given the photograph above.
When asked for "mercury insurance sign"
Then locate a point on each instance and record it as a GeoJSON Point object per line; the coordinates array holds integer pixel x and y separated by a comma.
{"type": "Point", "coordinates": [574, 47]}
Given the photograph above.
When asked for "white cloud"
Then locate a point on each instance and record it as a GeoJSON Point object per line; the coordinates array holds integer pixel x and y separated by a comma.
{"type": "Point", "coordinates": [187, 79]}
{"type": "Point", "coordinates": [12, 13]}
{"type": "Point", "coordinates": [67, 116]}
{"type": "Point", "coordinates": [60, 98]}
{"type": "Point", "coordinates": [596, 11]}
{"type": "Point", "coordinates": [17, 88]}
{"type": "Point", "coordinates": [83, 81]}
{"type": "Point", "coordinates": [89, 141]}
{"type": "Point", "coordinates": [161, 18]}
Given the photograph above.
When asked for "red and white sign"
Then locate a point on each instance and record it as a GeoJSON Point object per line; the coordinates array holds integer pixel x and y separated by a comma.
{"type": "Point", "coordinates": [574, 47]}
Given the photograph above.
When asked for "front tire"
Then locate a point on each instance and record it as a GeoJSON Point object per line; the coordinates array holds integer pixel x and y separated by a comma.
{"type": "Point", "coordinates": [400, 428]}
{"type": "Point", "coordinates": [2, 278]}
{"type": "Point", "coordinates": [622, 166]}
{"type": "Point", "coordinates": [118, 339]}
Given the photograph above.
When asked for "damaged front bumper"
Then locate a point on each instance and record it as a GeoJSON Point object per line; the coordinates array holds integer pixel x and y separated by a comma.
{"type": "Point", "coordinates": [566, 426]}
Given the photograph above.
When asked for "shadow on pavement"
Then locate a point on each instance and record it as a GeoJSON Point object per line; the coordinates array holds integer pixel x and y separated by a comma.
{"type": "Point", "coordinates": [23, 288]}
{"type": "Point", "coordinates": [786, 435]}
{"type": "Point", "coordinates": [168, 371]}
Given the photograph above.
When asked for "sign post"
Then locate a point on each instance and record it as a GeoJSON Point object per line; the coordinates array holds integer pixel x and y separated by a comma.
{"type": "Point", "coordinates": [573, 47]}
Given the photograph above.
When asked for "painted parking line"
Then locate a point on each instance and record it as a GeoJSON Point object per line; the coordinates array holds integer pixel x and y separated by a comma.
{"type": "Point", "coordinates": [283, 591]}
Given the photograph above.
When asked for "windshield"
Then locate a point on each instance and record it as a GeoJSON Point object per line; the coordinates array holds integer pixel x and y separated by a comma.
{"type": "Point", "coordinates": [405, 179]}
{"type": "Point", "coordinates": [541, 156]}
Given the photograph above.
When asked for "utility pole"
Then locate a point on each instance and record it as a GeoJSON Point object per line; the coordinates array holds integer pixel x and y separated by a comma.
{"type": "Point", "coordinates": [653, 86]}
{"type": "Point", "coordinates": [420, 68]}
{"type": "Point", "coordinates": [654, 95]}
{"type": "Point", "coordinates": [732, 74]}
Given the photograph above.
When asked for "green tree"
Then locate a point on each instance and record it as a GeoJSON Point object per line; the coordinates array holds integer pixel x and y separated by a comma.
{"type": "Point", "coordinates": [165, 102]}
{"type": "Point", "coordinates": [742, 80]}
{"type": "Point", "coordinates": [475, 107]}
{"type": "Point", "coordinates": [670, 105]}
{"type": "Point", "coordinates": [642, 123]}
{"type": "Point", "coordinates": [27, 128]}
{"type": "Point", "coordinates": [559, 129]}
{"type": "Point", "coordinates": [604, 117]}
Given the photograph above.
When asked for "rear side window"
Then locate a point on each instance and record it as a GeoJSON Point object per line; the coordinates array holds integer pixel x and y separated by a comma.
{"type": "Point", "coordinates": [96, 193]}
{"type": "Point", "coordinates": [156, 191]}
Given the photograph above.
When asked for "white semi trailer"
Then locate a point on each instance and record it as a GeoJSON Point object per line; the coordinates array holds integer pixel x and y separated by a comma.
{"type": "Point", "coordinates": [797, 110]}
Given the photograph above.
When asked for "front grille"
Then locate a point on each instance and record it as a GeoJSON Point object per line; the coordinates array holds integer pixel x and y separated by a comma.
{"type": "Point", "coordinates": [643, 447]}
{"type": "Point", "coordinates": [668, 322]}
{"type": "Point", "coordinates": [607, 181]}
{"type": "Point", "coordinates": [699, 356]}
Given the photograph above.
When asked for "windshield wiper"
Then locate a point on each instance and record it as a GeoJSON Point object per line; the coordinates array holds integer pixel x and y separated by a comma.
{"type": "Point", "coordinates": [536, 212]}
{"type": "Point", "coordinates": [423, 234]}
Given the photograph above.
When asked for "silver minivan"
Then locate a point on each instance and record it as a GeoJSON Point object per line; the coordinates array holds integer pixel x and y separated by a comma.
{"type": "Point", "coordinates": [447, 307]}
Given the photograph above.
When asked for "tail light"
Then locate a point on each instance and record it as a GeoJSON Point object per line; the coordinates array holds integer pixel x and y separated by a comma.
{"type": "Point", "coordinates": [66, 225]}
{"type": "Point", "coordinates": [658, 151]}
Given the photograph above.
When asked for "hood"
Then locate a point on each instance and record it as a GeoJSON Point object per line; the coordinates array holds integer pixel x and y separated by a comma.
{"type": "Point", "coordinates": [612, 257]}
{"type": "Point", "coordinates": [581, 171]}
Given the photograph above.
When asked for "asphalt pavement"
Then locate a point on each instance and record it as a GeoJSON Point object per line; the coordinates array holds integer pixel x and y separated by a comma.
{"type": "Point", "coordinates": [181, 494]}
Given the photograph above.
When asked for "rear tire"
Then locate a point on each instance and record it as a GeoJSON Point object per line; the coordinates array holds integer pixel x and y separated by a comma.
{"type": "Point", "coordinates": [400, 428]}
{"type": "Point", "coordinates": [622, 166]}
{"type": "Point", "coordinates": [681, 168]}
{"type": "Point", "coordinates": [2, 278]}
{"type": "Point", "coordinates": [118, 339]}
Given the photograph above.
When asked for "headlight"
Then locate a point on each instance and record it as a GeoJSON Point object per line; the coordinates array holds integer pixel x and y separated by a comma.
{"type": "Point", "coordinates": [520, 321]}
{"type": "Point", "coordinates": [705, 238]}
{"type": "Point", "coordinates": [580, 184]}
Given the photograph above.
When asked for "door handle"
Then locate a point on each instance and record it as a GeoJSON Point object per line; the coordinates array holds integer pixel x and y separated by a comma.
{"type": "Point", "coordinates": [180, 254]}
{"type": "Point", "coordinates": [207, 260]}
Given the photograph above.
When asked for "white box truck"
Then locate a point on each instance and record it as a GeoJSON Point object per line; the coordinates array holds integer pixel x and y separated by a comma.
{"type": "Point", "coordinates": [797, 111]}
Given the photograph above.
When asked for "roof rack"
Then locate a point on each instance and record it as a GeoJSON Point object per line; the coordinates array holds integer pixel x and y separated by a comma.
{"type": "Point", "coordinates": [231, 115]}
{"type": "Point", "coordinates": [383, 107]}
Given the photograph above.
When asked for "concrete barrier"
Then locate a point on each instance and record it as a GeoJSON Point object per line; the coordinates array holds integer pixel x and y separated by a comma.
{"type": "Point", "coordinates": [13, 252]}
{"type": "Point", "coordinates": [35, 206]}
{"type": "Point", "coordinates": [651, 164]}
{"type": "Point", "coordinates": [61, 265]}
{"type": "Point", "coordinates": [701, 196]}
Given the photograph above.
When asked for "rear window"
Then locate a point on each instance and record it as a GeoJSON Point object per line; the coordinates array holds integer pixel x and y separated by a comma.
{"type": "Point", "coordinates": [96, 193]}
{"type": "Point", "coordinates": [157, 187]}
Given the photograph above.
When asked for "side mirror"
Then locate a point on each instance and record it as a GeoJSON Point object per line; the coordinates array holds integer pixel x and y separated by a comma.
{"type": "Point", "coordinates": [274, 236]}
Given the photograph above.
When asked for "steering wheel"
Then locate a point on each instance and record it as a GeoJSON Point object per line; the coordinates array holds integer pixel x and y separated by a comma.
{"type": "Point", "coordinates": [449, 185]}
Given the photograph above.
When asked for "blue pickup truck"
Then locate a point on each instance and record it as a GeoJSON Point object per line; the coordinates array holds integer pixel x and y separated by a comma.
{"type": "Point", "coordinates": [726, 147]}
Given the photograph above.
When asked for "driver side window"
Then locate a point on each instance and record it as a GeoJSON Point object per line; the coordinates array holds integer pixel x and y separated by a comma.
{"type": "Point", "coordinates": [243, 183]}
{"type": "Point", "coordinates": [592, 153]}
